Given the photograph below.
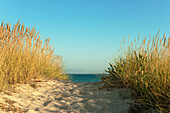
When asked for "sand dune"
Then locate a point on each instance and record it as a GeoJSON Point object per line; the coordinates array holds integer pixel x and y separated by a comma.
{"type": "Point", "coordinates": [65, 97]}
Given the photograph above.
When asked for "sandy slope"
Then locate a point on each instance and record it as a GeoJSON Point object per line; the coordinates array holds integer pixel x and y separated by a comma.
{"type": "Point", "coordinates": [67, 97]}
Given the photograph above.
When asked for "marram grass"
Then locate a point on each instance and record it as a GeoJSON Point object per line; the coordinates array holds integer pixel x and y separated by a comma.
{"type": "Point", "coordinates": [145, 67]}
{"type": "Point", "coordinates": [24, 56]}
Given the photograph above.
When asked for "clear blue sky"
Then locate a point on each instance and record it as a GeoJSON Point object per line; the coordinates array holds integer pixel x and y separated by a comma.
{"type": "Point", "coordinates": [87, 33]}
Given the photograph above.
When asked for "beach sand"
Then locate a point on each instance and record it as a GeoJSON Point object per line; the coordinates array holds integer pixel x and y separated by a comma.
{"type": "Point", "coordinates": [65, 97]}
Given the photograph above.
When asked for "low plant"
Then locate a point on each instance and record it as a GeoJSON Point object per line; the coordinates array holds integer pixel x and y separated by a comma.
{"type": "Point", "coordinates": [25, 56]}
{"type": "Point", "coordinates": [144, 66]}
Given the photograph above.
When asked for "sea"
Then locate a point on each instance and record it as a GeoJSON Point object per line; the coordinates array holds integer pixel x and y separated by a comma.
{"type": "Point", "coordinates": [85, 77]}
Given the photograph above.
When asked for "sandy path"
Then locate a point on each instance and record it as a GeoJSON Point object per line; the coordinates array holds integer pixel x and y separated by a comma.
{"type": "Point", "coordinates": [67, 97]}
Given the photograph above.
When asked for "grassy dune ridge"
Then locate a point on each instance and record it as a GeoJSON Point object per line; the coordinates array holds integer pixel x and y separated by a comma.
{"type": "Point", "coordinates": [144, 66]}
{"type": "Point", "coordinates": [24, 56]}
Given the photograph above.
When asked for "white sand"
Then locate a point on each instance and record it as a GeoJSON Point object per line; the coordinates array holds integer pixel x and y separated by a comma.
{"type": "Point", "coordinates": [67, 97]}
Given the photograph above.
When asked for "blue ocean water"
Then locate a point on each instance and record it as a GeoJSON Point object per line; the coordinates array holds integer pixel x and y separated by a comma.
{"type": "Point", "coordinates": [85, 77]}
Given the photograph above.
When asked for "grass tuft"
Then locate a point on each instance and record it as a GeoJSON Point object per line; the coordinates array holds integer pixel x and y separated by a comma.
{"type": "Point", "coordinates": [144, 66]}
{"type": "Point", "coordinates": [24, 56]}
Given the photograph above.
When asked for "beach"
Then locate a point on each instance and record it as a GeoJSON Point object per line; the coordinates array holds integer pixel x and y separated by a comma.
{"type": "Point", "coordinates": [65, 97]}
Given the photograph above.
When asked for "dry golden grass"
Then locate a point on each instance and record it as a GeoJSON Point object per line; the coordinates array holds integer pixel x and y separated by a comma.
{"type": "Point", "coordinates": [144, 66]}
{"type": "Point", "coordinates": [24, 56]}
